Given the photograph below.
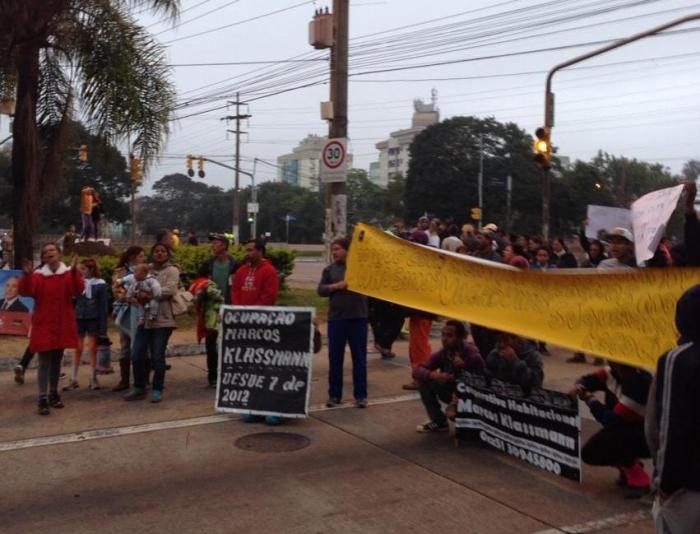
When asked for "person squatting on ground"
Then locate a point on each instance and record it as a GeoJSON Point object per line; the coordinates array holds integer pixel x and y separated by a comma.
{"type": "Point", "coordinates": [673, 425]}
{"type": "Point", "coordinates": [621, 442]}
{"type": "Point", "coordinates": [153, 335]}
{"type": "Point", "coordinates": [91, 313]}
{"type": "Point", "coordinates": [516, 360]}
{"type": "Point", "coordinates": [347, 324]}
{"type": "Point", "coordinates": [437, 376]}
{"type": "Point", "coordinates": [256, 283]}
{"type": "Point", "coordinates": [54, 326]}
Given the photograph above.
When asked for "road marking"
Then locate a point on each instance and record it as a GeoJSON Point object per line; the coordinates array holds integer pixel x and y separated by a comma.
{"type": "Point", "coordinates": [601, 524]}
{"type": "Point", "coordinates": [87, 435]}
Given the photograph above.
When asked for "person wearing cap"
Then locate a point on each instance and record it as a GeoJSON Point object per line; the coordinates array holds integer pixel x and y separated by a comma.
{"type": "Point", "coordinates": [222, 267]}
{"type": "Point", "coordinates": [621, 251]}
{"type": "Point", "coordinates": [484, 250]}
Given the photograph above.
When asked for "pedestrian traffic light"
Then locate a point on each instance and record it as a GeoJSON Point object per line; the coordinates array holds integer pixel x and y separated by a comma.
{"type": "Point", "coordinates": [136, 173]}
{"type": "Point", "coordinates": [543, 148]}
{"type": "Point", "coordinates": [200, 166]}
{"type": "Point", "coordinates": [188, 159]}
{"type": "Point", "coordinates": [476, 214]}
{"type": "Point", "coordinates": [83, 153]}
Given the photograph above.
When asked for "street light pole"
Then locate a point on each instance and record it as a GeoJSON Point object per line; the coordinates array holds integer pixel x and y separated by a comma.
{"type": "Point", "coordinates": [549, 95]}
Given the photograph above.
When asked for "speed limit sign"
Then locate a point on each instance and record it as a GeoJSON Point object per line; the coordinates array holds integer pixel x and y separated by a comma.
{"type": "Point", "coordinates": [334, 162]}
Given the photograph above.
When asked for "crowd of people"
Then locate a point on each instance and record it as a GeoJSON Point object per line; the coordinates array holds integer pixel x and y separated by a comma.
{"type": "Point", "coordinates": [71, 311]}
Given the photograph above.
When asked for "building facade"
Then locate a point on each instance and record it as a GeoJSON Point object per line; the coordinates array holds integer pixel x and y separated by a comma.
{"type": "Point", "coordinates": [394, 153]}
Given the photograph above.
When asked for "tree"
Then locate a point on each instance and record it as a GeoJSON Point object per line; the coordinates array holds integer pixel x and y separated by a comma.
{"type": "Point", "coordinates": [443, 173]}
{"type": "Point", "coordinates": [58, 51]}
{"type": "Point", "coordinates": [691, 169]}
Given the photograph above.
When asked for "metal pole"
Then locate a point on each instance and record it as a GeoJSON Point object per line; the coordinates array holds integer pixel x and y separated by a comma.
{"type": "Point", "coordinates": [287, 224]}
{"type": "Point", "coordinates": [254, 199]}
{"type": "Point", "coordinates": [509, 194]}
{"type": "Point", "coordinates": [236, 197]}
{"type": "Point", "coordinates": [549, 95]}
{"type": "Point", "coordinates": [481, 179]}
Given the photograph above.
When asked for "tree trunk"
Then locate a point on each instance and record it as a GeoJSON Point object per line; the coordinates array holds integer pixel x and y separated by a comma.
{"type": "Point", "coordinates": [26, 154]}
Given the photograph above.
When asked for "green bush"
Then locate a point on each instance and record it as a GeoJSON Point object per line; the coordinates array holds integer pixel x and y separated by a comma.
{"type": "Point", "coordinates": [189, 258]}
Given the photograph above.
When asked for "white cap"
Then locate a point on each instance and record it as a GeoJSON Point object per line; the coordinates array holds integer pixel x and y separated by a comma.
{"type": "Point", "coordinates": [624, 233]}
{"type": "Point", "coordinates": [490, 227]}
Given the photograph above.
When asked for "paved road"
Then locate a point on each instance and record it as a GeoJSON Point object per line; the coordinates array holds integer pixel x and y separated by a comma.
{"type": "Point", "coordinates": [103, 465]}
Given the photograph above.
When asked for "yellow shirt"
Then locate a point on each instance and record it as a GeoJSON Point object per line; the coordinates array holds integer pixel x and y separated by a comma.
{"type": "Point", "coordinates": [86, 200]}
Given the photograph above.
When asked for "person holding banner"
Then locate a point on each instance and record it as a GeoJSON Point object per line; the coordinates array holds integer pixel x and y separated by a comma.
{"type": "Point", "coordinates": [347, 324]}
{"type": "Point", "coordinates": [621, 442]}
{"type": "Point", "coordinates": [437, 376]}
{"type": "Point", "coordinates": [54, 326]}
{"type": "Point", "coordinates": [516, 360]}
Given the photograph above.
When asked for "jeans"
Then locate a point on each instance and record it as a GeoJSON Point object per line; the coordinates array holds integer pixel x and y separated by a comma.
{"type": "Point", "coordinates": [616, 445]}
{"type": "Point", "coordinates": [125, 360]}
{"type": "Point", "coordinates": [49, 371]}
{"type": "Point", "coordinates": [212, 346]}
{"type": "Point", "coordinates": [155, 339]}
{"type": "Point", "coordinates": [354, 333]}
{"type": "Point", "coordinates": [431, 393]}
{"type": "Point", "coordinates": [26, 358]}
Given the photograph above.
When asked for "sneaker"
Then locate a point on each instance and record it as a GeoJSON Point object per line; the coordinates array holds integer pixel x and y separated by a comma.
{"type": "Point", "coordinates": [94, 384]}
{"type": "Point", "coordinates": [43, 408]}
{"type": "Point", "coordinates": [432, 426]}
{"type": "Point", "coordinates": [388, 355]}
{"type": "Point", "coordinates": [135, 394]}
{"type": "Point", "coordinates": [73, 384]}
{"type": "Point", "coordinates": [168, 367]}
{"type": "Point", "coordinates": [156, 395]}
{"type": "Point", "coordinates": [333, 402]}
{"type": "Point", "coordinates": [636, 492]}
{"type": "Point", "coordinates": [273, 420]}
{"type": "Point", "coordinates": [361, 403]}
{"type": "Point", "coordinates": [412, 386]}
{"type": "Point", "coordinates": [19, 374]}
{"type": "Point", "coordinates": [578, 357]}
{"type": "Point", "coordinates": [121, 386]}
{"type": "Point", "coordinates": [55, 400]}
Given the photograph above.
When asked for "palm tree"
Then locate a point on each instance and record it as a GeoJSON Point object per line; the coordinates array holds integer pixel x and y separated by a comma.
{"type": "Point", "coordinates": [60, 57]}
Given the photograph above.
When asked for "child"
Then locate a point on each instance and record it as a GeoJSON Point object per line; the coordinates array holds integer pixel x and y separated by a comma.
{"type": "Point", "coordinates": [208, 300]}
{"type": "Point", "coordinates": [140, 281]}
{"type": "Point", "coordinates": [91, 314]}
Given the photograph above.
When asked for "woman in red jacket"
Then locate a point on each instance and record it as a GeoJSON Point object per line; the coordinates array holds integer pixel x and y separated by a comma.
{"type": "Point", "coordinates": [54, 328]}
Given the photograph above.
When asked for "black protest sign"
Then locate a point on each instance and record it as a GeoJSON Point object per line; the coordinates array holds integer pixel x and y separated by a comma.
{"type": "Point", "coordinates": [265, 357]}
{"type": "Point", "coordinates": [542, 429]}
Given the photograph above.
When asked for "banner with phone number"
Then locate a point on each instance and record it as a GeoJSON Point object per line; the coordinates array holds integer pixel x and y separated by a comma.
{"type": "Point", "coordinates": [625, 316]}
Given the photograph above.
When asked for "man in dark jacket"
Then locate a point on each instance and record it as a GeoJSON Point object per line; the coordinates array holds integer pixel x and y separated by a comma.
{"type": "Point", "coordinates": [436, 377]}
{"type": "Point", "coordinates": [673, 425]}
{"type": "Point", "coordinates": [516, 360]}
{"type": "Point", "coordinates": [222, 267]}
{"type": "Point", "coordinates": [621, 442]}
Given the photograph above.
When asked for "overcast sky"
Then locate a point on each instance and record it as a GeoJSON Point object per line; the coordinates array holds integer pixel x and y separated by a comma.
{"type": "Point", "coordinates": [640, 101]}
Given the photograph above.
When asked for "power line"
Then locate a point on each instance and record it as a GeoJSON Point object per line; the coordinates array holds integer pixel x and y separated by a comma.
{"type": "Point", "coordinates": [229, 63]}
{"type": "Point", "coordinates": [198, 16]}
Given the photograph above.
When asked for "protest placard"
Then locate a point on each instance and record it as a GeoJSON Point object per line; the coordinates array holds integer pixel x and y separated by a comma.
{"type": "Point", "coordinates": [543, 429]}
{"type": "Point", "coordinates": [650, 214]}
{"type": "Point", "coordinates": [604, 218]}
{"type": "Point", "coordinates": [15, 311]}
{"type": "Point", "coordinates": [265, 357]}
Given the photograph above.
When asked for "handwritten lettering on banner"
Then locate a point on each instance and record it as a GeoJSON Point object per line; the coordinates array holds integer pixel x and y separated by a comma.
{"type": "Point", "coordinates": [265, 358]}
{"type": "Point", "coordinates": [626, 316]}
{"type": "Point", "coordinates": [650, 214]}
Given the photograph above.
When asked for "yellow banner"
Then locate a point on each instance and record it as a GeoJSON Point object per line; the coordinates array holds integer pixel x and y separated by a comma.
{"type": "Point", "coordinates": [626, 316]}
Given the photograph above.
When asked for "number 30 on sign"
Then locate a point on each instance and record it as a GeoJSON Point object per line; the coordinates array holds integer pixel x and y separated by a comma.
{"type": "Point", "coordinates": [334, 160]}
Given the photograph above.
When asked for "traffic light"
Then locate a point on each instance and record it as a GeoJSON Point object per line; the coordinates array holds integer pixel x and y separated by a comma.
{"type": "Point", "coordinates": [599, 184]}
{"type": "Point", "coordinates": [200, 166]}
{"type": "Point", "coordinates": [188, 159]}
{"type": "Point", "coordinates": [136, 173]}
{"type": "Point", "coordinates": [476, 214]}
{"type": "Point", "coordinates": [543, 148]}
{"type": "Point", "coordinates": [83, 153]}
{"type": "Point", "coordinates": [251, 217]}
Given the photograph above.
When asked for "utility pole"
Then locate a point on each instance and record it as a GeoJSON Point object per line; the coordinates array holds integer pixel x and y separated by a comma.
{"type": "Point", "coordinates": [481, 179]}
{"type": "Point", "coordinates": [509, 197]}
{"type": "Point", "coordinates": [236, 188]}
{"type": "Point", "coordinates": [336, 192]}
